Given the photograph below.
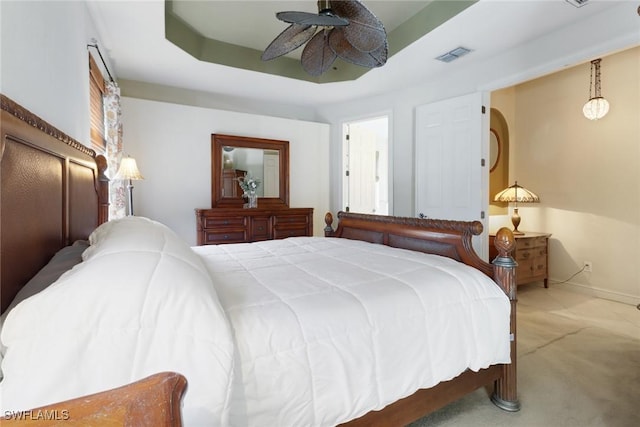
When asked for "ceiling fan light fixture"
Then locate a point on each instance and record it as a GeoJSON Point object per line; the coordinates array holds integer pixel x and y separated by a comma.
{"type": "Point", "coordinates": [359, 37]}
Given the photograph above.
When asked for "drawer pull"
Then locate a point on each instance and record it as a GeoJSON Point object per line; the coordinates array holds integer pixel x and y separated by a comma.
{"type": "Point", "coordinates": [226, 237]}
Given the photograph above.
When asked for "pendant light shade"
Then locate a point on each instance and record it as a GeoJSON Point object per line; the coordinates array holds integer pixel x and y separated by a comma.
{"type": "Point", "coordinates": [596, 107]}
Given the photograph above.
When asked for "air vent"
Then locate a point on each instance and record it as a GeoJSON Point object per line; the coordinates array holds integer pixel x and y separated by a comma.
{"type": "Point", "coordinates": [577, 3]}
{"type": "Point", "coordinates": [453, 54]}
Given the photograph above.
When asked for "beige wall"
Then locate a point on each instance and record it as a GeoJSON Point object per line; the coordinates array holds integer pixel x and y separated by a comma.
{"type": "Point", "coordinates": [587, 173]}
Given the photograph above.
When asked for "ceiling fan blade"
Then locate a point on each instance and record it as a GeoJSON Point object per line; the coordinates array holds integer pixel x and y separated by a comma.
{"type": "Point", "coordinates": [365, 31]}
{"type": "Point", "coordinates": [290, 39]}
{"type": "Point", "coordinates": [317, 56]}
{"type": "Point", "coordinates": [325, 18]}
{"type": "Point", "coordinates": [343, 48]}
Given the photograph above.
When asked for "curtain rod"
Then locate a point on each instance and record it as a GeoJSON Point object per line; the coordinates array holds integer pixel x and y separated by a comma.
{"type": "Point", "coordinates": [95, 45]}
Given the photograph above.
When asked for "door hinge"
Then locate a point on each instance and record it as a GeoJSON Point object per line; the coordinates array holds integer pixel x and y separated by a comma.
{"type": "Point", "coordinates": [482, 162]}
{"type": "Point", "coordinates": [346, 209]}
{"type": "Point", "coordinates": [484, 110]}
{"type": "Point", "coordinates": [482, 215]}
{"type": "Point", "coordinates": [346, 173]}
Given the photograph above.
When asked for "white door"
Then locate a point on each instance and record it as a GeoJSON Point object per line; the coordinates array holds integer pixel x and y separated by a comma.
{"type": "Point", "coordinates": [271, 169]}
{"type": "Point", "coordinates": [366, 181]}
{"type": "Point", "coordinates": [451, 179]}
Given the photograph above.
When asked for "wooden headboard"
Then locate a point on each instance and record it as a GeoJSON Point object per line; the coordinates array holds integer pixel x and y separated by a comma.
{"type": "Point", "coordinates": [434, 236]}
{"type": "Point", "coordinates": [53, 191]}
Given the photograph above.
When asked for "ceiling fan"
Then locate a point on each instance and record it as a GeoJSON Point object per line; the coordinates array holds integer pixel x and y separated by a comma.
{"type": "Point", "coordinates": [347, 29]}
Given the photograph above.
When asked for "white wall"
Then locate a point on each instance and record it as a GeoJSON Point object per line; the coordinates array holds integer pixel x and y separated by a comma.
{"type": "Point", "coordinates": [587, 174]}
{"type": "Point", "coordinates": [44, 64]}
{"type": "Point", "coordinates": [172, 146]}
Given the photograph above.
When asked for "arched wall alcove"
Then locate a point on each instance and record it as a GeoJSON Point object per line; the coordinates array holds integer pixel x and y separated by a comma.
{"type": "Point", "coordinates": [498, 160]}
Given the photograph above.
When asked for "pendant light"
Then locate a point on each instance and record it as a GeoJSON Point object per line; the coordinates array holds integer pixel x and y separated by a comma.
{"type": "Point", "coordinates": [597, 107]}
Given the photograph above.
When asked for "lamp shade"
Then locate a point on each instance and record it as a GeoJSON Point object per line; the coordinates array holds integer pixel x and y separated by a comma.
{"type": "Point", "coordinates": [596, 108]}
{"type": "Point", "coordinates": [128, 170]}
{"type": "Point", "coordinates": [517, 194]}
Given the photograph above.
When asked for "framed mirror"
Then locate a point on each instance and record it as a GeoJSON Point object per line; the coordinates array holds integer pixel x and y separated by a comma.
{"type": "Point", "coordinates": [266, 160]}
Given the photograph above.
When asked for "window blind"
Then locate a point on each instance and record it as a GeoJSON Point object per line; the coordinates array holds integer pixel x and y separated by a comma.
{"type": "Point", "coordinates": [96, 96]}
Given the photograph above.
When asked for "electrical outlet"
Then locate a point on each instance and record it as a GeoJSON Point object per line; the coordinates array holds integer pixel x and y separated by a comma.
{"type": "Point", "coordinates": [588, 267]}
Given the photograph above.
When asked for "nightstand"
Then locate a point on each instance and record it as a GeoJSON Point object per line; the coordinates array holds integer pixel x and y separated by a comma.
{"type": "Point", "coordinates": [531, 254]}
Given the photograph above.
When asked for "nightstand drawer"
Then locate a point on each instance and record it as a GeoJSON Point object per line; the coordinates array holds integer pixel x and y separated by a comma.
{"type": "Point", "coordinates": [526, 254]}
{"type": "Point", "coordinates": [534, 242]}
{"type": "Point", "coordinates": [531, 268]}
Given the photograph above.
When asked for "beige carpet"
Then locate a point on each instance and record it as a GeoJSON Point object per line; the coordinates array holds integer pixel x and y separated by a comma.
{"type": "Point", "coordinates": [578, 365]}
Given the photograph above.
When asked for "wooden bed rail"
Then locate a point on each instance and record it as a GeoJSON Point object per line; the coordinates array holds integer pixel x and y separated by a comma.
{"type": "Point", "coordinates": [151, 402]}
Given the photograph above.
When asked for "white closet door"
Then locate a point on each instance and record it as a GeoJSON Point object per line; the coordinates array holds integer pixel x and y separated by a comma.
{"type": "Point", "coordinates": [451, 143]}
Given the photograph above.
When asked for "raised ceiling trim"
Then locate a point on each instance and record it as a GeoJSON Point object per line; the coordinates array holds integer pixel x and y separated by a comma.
{"type": "Point", "coordinates": [180, 33]}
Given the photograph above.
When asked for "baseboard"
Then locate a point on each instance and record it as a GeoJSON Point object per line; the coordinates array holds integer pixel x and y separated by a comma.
{"type": "Point", "coordinates": [599, 293]}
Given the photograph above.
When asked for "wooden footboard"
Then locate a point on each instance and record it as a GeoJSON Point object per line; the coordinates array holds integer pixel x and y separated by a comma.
{"type": "Point", "coordinates": [451, 239]}
{"type": "Point", "coordinates": [151, 402]}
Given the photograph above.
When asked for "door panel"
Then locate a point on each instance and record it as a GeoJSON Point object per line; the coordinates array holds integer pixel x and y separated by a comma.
{"type": "Point", "coordinates": [450, 146]}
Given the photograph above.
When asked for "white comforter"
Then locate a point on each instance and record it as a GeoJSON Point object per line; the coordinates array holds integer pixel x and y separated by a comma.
{"type": "Point", "coordinates": [140, 303]}
{"type": "Point", "coordinates": [296, 332]}
{"type": "Point", "coordinates": [329, 329]}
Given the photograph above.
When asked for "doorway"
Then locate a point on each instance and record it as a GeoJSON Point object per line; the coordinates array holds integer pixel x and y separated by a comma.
{"type": "Point", "coordinates": [365, 165]}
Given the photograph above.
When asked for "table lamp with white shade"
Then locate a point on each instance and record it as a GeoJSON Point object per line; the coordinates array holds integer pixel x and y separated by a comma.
{"type": "Point", "coordinates": [129, 171]}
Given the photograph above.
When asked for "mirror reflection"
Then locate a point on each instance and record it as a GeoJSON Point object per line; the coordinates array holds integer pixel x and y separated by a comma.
{"type": "Point", "coordinates": [261, 164]}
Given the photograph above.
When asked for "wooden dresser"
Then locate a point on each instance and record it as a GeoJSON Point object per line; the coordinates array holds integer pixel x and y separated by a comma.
{"type": "Point", "coordinates": [238, 225]}
{"type": "Point", "coordinates": [532, 256]}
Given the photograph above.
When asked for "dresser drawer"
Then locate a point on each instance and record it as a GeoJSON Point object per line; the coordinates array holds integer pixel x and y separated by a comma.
{"type": "Point", "coordinates": [282, 220]}
{"type": "Point", "coordinates": [232, 221]}
{"type": "Point", "coordinates": [283, 233]}
{"type": "Point", "coordinates": [224, 236]}
{"type": "Point", "coordinates": [260, 229]}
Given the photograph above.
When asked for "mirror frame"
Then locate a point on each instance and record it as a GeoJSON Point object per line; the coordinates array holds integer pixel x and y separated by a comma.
{"type": "Point", "coordinates": [493, 166]}
{"type": "Point", "coordinates": [218, 141]}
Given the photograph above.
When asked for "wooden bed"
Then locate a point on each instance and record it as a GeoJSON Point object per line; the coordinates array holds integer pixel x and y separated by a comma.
{"type": "Point", "coordinates": [54, 192]}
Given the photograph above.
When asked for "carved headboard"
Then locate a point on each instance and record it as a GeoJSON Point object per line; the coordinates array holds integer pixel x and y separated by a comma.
{"type": "Point", "coordinates": [53, 191]}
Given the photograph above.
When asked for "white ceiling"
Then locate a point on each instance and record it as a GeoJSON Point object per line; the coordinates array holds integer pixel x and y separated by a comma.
{"type": "Point", "coordinates": [131, 35]}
